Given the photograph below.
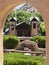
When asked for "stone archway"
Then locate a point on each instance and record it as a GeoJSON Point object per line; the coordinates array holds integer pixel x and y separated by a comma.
{"type": "Point", "coordinates": [7, 5]}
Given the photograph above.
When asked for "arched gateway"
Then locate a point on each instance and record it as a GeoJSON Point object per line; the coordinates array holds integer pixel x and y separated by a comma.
{"type": "Point", "coordinates": [7, 5]}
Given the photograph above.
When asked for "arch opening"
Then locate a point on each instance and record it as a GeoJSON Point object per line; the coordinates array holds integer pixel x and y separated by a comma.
{"type": "Point", "coordinates": [33, 26]}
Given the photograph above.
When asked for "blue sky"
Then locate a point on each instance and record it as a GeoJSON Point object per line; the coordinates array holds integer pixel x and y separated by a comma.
{"type": "Point", "coordinates": [19, 6]}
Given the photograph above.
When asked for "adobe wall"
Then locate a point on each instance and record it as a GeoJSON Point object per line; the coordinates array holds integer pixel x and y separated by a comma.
{"type": "Point", "coordinates": [7, 5]}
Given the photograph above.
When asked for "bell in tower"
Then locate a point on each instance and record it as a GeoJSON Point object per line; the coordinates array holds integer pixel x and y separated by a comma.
{"type": "Point", "coordinates": [34, 26]}
{"type": "Point", "coordinates": [12, 26]}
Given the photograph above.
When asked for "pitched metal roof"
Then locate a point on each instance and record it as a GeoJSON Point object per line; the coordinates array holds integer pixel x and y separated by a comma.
{"type": "Point", "coordinates": [13, 19]}
{"type": "Point", "coordinates": [34, 19]}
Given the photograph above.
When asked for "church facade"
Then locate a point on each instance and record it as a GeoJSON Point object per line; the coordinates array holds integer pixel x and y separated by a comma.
{"type": "Point", "coordinates": [23, 29]}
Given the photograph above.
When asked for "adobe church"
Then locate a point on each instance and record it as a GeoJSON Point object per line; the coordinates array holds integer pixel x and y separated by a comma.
{"type": "Point", "coordinates": [23, 29]}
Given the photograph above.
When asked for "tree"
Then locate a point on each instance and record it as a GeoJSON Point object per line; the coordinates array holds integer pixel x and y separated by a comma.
{"type": "Point", "coordinates": [37, 14]}
{"type": "Point", "coordinates": [42, 27]}
{"type": "Point", "coordinates": [23, 16]}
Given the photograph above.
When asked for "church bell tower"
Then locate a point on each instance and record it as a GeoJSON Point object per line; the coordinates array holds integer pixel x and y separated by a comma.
{"type": "Point", "coordinates": [34, 27]}
{"type": "Point", "coordinates": [12, 26]}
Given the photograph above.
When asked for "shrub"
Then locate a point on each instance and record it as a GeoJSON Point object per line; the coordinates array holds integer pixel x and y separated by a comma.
{"type": "Point", "coordinates": [35, 63]}
{"type": "Point", "coordinates": [21, 59]}
{"type": "Point", "coordinates": [10, 42]}
{"type": "Point", "coordinates": [40, 40]}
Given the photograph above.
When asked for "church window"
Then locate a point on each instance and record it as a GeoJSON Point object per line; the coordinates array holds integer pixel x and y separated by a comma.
{"type": "Point", "coordinates": [12, 27]}
{"type": "Point", "coordinates": [34, 25]}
